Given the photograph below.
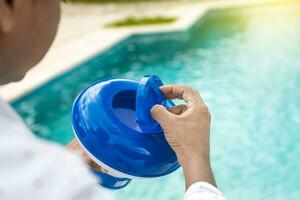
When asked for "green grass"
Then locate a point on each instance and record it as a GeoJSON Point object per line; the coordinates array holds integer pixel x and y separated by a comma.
{"type": "Point", "coordinates": [132, 21]}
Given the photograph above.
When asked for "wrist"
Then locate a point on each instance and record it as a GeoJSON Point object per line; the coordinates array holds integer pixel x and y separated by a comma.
{"type": "Point", "coordinates": [188, 159]}
{"type": "Point", "coordinates": [196, 168]}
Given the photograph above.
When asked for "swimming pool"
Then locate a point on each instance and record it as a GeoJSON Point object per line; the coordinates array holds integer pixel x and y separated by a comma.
{"type": "Point", "coordinates": [246, 64]}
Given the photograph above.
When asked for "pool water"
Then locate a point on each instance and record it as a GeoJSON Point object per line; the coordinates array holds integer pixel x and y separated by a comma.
{"type": "Point", "coordinates": [246, 64]}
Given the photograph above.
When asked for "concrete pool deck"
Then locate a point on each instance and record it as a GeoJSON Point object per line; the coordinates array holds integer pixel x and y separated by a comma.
{"type": "Point", "coordinates": [83, 34]}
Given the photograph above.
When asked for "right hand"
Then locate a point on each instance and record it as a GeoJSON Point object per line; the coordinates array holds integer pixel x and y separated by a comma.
{"type": "Point", "coordinates": [187, 129]}
{"type": "Point", "coordinates": [187, 126]}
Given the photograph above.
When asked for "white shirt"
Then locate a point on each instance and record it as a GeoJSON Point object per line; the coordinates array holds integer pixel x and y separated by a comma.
{"type": "Point", "coordinates": [31, 168]}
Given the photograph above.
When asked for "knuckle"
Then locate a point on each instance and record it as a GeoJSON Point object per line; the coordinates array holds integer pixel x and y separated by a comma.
{"type": "Point", "coordinates": [202, 108]}
{"type": "Point", "coordinates": [206, 111]}
{"type": "Point", "coordinates": [156, 110]}
{"type": "Point", "coordinates": [189, 89]}
{"type": "Point", "coordinates": [196, 91]}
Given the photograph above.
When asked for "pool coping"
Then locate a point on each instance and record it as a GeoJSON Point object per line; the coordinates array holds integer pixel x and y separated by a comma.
{"type": "Point", "coordinates": [43, 73]}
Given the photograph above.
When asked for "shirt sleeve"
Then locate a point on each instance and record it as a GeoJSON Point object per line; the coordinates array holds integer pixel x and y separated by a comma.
{"type": "Point", "coordinates": [203, 191]}
{"type": "Point", "coordinates": [31, 168]}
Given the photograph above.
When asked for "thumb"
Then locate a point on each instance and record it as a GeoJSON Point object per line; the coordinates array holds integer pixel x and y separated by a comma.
{"type": "Point", "coordinates": [161, 114]}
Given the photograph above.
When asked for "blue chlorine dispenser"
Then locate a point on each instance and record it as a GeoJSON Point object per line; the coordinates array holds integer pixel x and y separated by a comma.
{"type": "Point", "coordinates": [112, 122]}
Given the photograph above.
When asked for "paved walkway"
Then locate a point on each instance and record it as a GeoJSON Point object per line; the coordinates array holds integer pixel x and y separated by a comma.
{"type": "Point", "coordinates": [83, 33]}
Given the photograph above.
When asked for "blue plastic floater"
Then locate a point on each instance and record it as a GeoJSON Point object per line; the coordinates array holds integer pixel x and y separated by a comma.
{"type": "Point", "coordinates": [112, 122]}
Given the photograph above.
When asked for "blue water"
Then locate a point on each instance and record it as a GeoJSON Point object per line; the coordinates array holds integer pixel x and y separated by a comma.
{"type": "Point", "coordinates": [245, 63]}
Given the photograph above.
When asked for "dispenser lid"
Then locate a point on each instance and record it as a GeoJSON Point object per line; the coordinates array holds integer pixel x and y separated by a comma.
{"type": "Point", "coordinates": [148, 95]}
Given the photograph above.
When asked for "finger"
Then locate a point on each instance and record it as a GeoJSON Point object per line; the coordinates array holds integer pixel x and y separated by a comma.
{"type": "Point", "coordinates": [189, 95]}
{"type": "Point", "coordinates": [161, 114]}
{"type": "Point", "coordinates": [94, 166]}
{"type": "Point", "coordinates": [72, 144]}
{"type": "Point", "coordinates": [177, 110]}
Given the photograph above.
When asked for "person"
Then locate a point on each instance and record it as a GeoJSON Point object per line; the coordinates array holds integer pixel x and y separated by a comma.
{"type": "Point", "coordinates": [31, 168]}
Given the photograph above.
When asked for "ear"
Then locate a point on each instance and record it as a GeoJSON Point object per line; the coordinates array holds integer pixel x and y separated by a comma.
{"type": "Point", "coordinates": [6, 15]}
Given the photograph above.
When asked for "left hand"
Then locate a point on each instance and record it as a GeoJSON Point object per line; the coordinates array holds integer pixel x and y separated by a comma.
{"type": "Point", "coordinates": [75, 146]}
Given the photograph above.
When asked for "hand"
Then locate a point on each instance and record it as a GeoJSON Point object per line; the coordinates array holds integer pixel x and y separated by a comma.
{"type": "Point", "coordinates": [74, 145]}
{"type": "Point", "coordinates": [187, 130]}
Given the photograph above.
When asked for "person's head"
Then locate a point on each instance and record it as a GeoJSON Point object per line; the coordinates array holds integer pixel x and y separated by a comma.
{"type": "Point", "coordinates": [27, 30]}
